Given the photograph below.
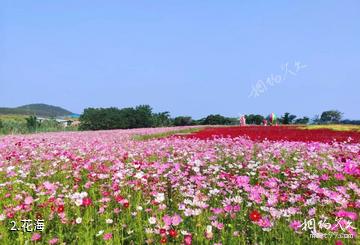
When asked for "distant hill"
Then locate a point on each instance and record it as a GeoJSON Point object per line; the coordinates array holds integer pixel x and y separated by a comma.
{"type": "Point", "coordinates": [40, 110]}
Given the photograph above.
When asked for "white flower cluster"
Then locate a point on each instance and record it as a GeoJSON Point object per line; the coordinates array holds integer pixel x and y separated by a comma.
{"type": "Point", "coordinates": [160, 197]}
{"type": "Point", "coordinates": [77, 197]}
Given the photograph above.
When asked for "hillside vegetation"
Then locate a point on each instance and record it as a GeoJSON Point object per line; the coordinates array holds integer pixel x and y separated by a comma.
{"type": "Point", "coordinates": [40, 110]}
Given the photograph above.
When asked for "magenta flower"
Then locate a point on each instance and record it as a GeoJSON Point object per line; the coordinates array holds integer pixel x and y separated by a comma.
{"type": "Point", "coordinates": [172, 220]}
{"type": "Point", "coordinates": [53, 241]}
{"type": "Point", "coordinates": [28, 200]}
{"type": "Point", "coordinates": [295, 225]}
{"type": "Point", "coordinates": [107, 236]}
{"type": "Point", "coordinates": [187, 239]}
{"type": "Point", "coordinates": [35, 237]}
{"type": "Point", "coordinates": [176, 220]}
{"type": "Point", "coordinates": [167, 220]}
{"type": "Point", "coordinates": [86, 201]}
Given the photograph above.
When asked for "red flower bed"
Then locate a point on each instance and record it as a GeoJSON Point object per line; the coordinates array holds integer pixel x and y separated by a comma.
{"type": "Point", "coordinates": [289, 133]}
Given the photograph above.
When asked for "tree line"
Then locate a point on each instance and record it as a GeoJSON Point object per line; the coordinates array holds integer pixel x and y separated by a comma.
{"type": "Point", "coordinates": [142, 116]}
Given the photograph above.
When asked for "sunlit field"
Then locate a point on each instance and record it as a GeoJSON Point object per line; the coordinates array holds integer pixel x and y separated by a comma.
{"type": "Point", "coordinates": [337, 127]}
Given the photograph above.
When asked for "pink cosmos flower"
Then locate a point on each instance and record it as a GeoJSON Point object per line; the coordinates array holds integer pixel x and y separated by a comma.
{"type": "Point", "coordinates": [35, 237]}
{"type": "Point", "coordinates": [107, 236]}
{"type": "Point", "coordinates": [176, 220]}
{"type": "Point", "coordinates": [242, 181]}
{"type": "Point", "coordinates": [54, 241]}
{"type": "Point", "coordinates": [228, 208]}
{"type": "Point", "coordinates": [187, 239]}
{"type": "Point", "coordinates": [265, 222]}
{"type": "Point", "coordinates": [49, 186]}
{"type": "Point", "coordinates": [28, 200]}
{"type": "Point", "coordinates": [217, 210]}
{"type": "Point", "coordinates": [351, 168]}
{"type": "Point", "coordinates": [218, 225]}
{"type": "Point", "coordinates": [343, 214]}
{"type": "Point", "coordinates": [172, 220]}
{"type": "Point", "coordinates": [339, 176]}
{"type": "Point", "coordinates": [236, 208]}
{"type": "Point", "coordinates": [295, 225]}
{"type": "Point", "coordinates": [167, 220]}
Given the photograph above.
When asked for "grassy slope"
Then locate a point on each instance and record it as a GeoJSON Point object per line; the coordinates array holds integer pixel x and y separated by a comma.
{"type": "Point", "coordinates": [337, 127]}
{"type": "Point", "coordinates": [11, 117]}
{"type": "Point", "coordinates": [165, 134]}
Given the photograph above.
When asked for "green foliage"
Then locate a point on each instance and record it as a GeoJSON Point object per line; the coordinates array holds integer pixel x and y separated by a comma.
{"type": "Point", "coordinates": [332, 116]}
{"type": "Point", "coordinates": [166, 134]}
{"type": "Point", "coordinates": [13, 127]}
{"type": "Point", "coordinates": [287, 118]}
{"type": "Point", "coordinates": [254, 119]}
{"type": "Point", "coordinates": [114, 118]}
{"type": "Point", "coordinates": [315, 119]}
{"type": "Point", "coordinates": [304, 120]}
{"type": "Point", "coordinates": [347, 121]}
{"type": "Point", "coordinates": [217, 120]}
{"type": "Point", "coordinates": [143, 116]}
{"type": "Point", "coordinates": [16, 125]}
{"type": "Point", "coordinates": [32, 123]}
{"type": "Point", "coordinates": [162, 119]}
{"type": "Point", "coordinates": [1, 124]}
{"type": "Point", "coordinates": [183, 121]}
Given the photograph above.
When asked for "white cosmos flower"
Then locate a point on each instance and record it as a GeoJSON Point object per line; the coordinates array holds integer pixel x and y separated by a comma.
{"type": "Point", "coordinates": [198, 163]}
{"type": "Point", "coordinates": [139, 175]}
{"type": "Point", "coordinates": [188, 212]}
{"type": "Point", "coordinates": [196, 169]}
{"type": "Point", "coordinates": [159, 197]}
{"type": "Point", "coordinates": [78, 202]}
{"type": "Point", "coordinates": [196, 212]}
{"type": "Point", "coordinates": [78, 220]}
{"type": "Point", "coordinates": [149, 231]}
{"type": "Point", "coordinates": [83, 194]}
{"type": "Point", "coordinates": [100, 233]}
{"type": "Point", "coordinates": [109, 221]}
{"type": "Point", "coordinates": [152, 220]}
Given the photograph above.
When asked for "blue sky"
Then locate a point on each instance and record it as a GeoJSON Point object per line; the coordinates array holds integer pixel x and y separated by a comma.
{"type": "Point", "coordinates": [188, 57]}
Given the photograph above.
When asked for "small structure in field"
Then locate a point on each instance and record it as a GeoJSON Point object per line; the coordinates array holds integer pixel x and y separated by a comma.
{"type": "Point", "coordinates": [242, 121]}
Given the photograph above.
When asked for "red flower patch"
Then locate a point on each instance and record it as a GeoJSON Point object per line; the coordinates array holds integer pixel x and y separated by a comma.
{"type": "Point", "coordinates": [277, 133]}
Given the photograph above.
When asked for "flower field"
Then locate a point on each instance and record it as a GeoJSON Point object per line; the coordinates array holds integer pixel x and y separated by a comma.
{"type": "Point", "coordinates": [104, 187]}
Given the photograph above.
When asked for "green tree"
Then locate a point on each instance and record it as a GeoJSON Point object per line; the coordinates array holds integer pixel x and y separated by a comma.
{"type": "Point", "coordinates": [315, 119]}
{"type": "Point", "coordinates": [182, 121]}
{"type": "Point", "coordinates": [32, 123]}
{"type": "Point", "coordinates": [1, 124]}
{"type": "Point", "coordinates": [332, 116]}
{"type": "Point", "coordinates": [143, 115]}
{"type": "Point", "coordinates": [161, 119]}
{"type": "Point", "coordinates": [114, 118]}
{"type": "Point", "coordinates": [287, 118]}
{"type": "Point", "coordinates": [304, 120]}
{"type": "Point", "coordinates": [216, 120]}
{"type": "Point", "coordinates": [254, 119]}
